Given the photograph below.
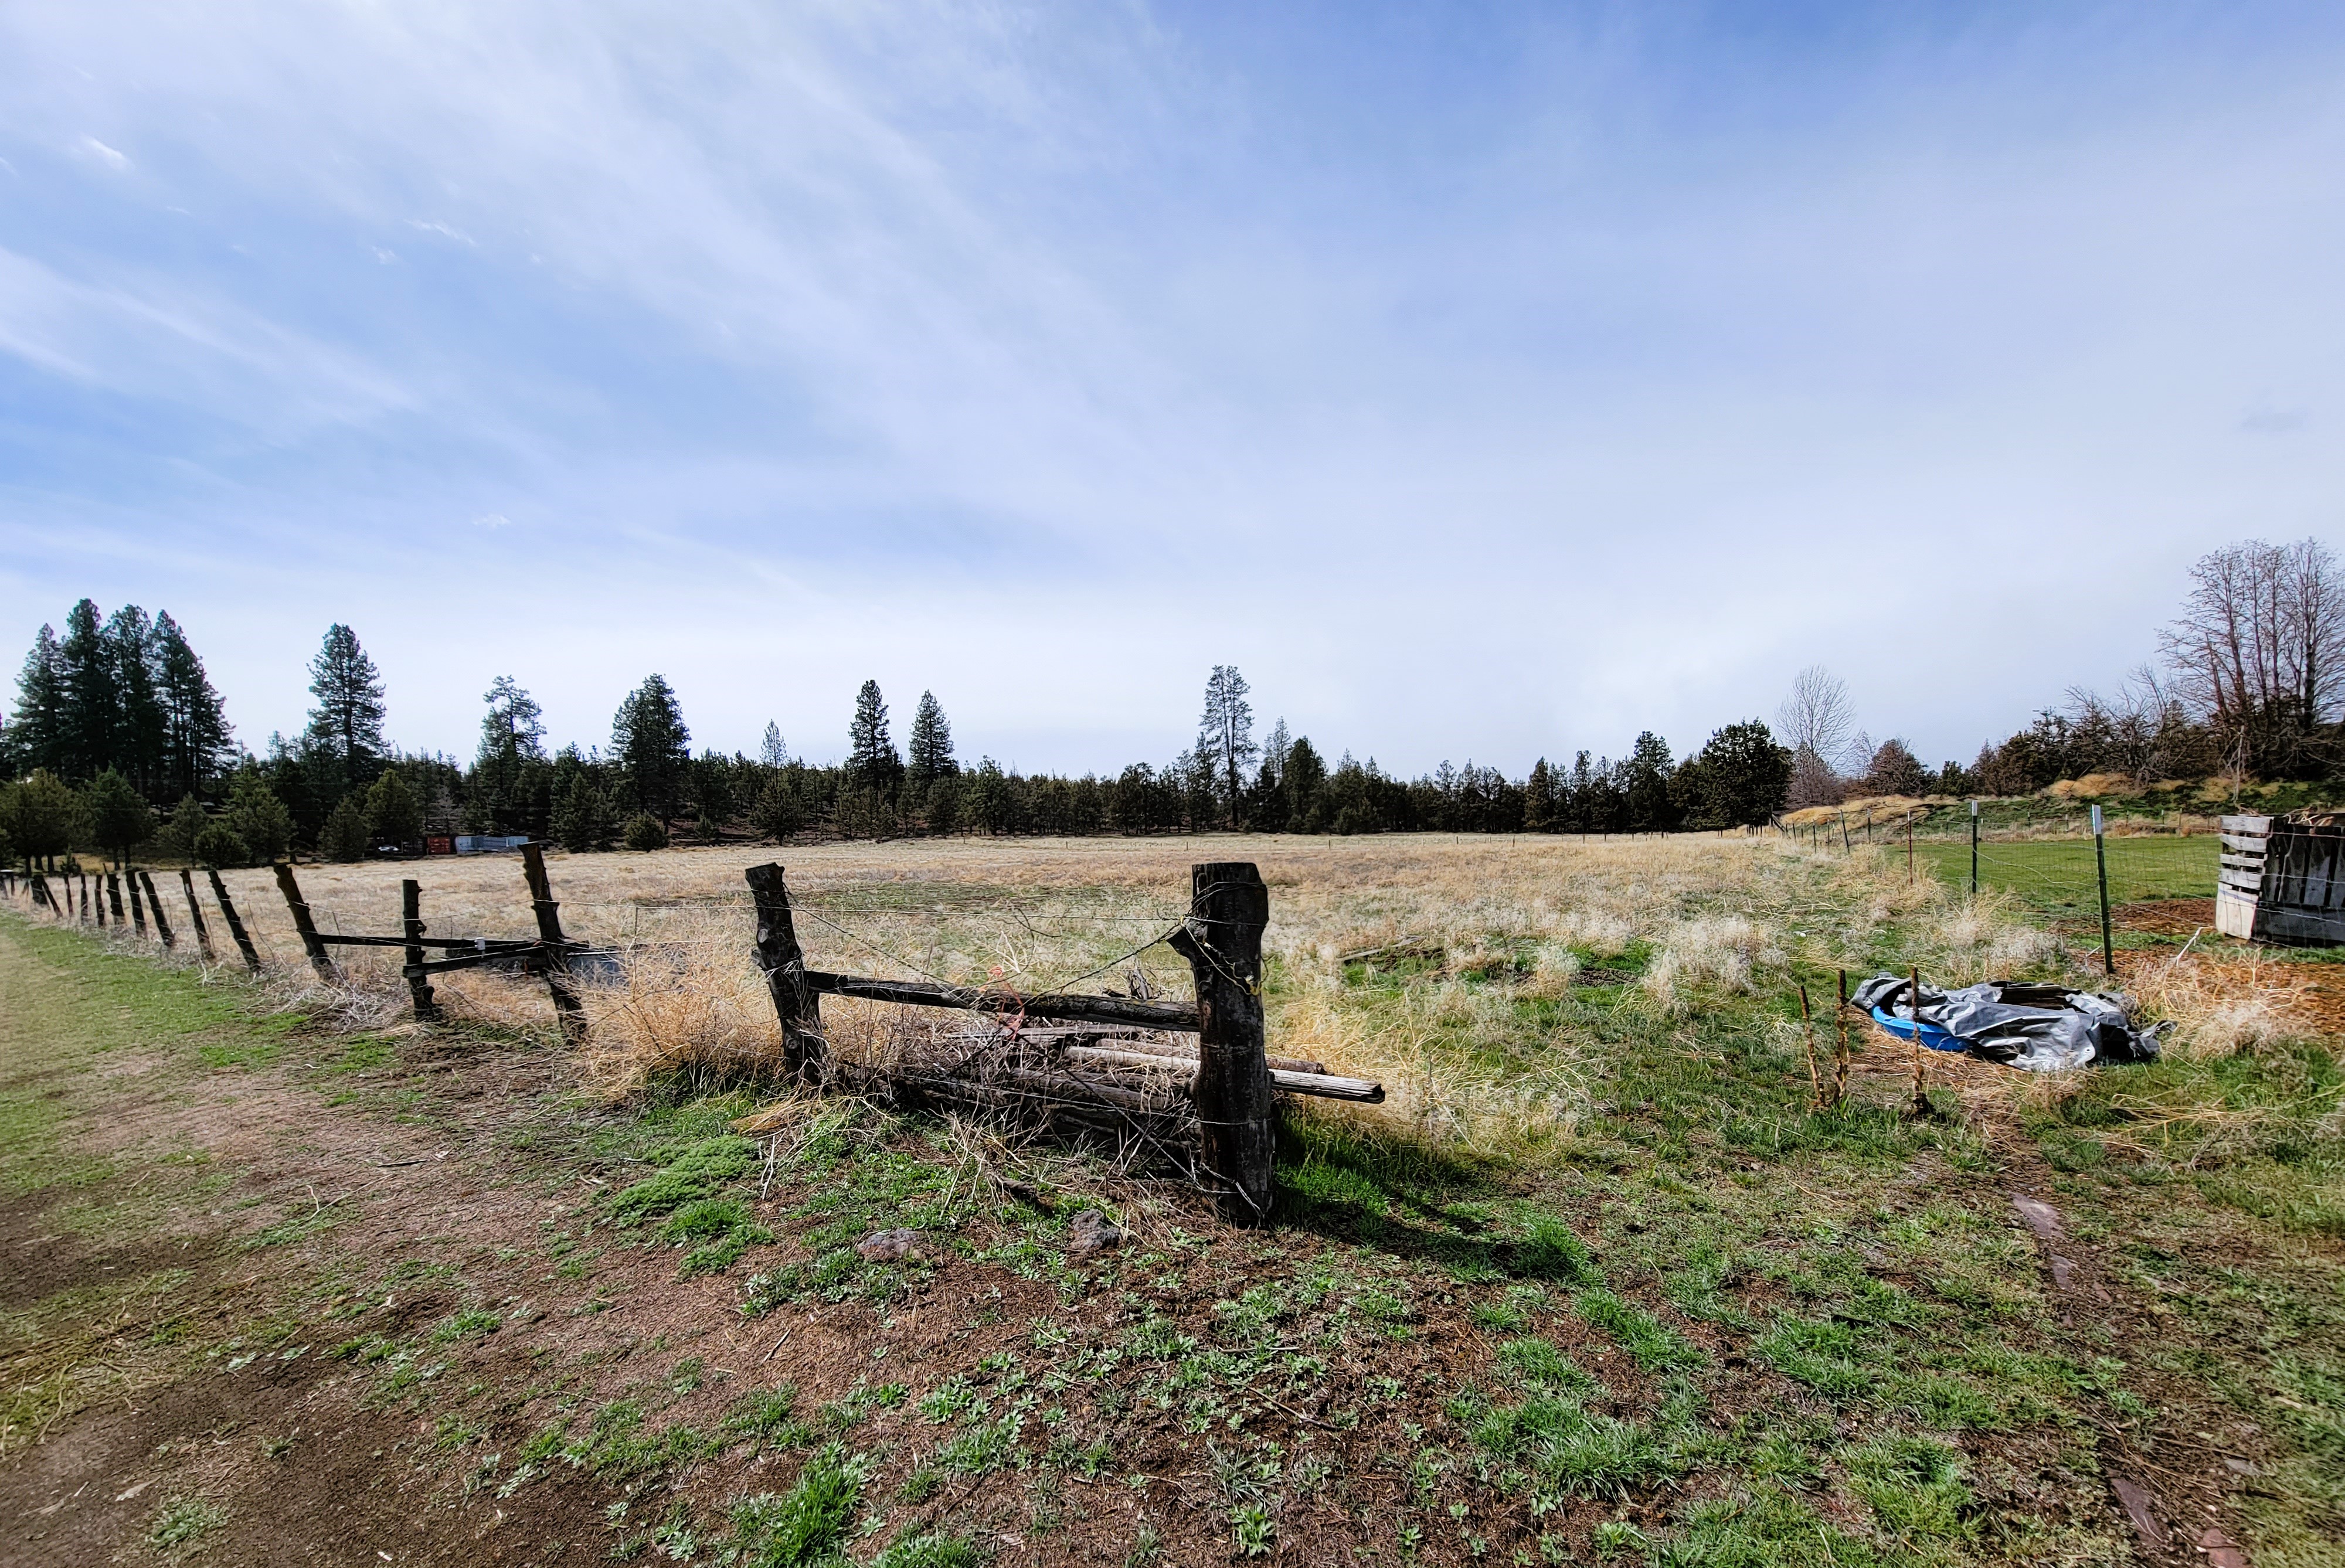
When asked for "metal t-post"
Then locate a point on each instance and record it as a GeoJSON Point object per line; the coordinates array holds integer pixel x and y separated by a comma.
{"type": "Point", "coordinates": [1974, 849]}
{"type": "Point", "coordinates": [2101, 864]}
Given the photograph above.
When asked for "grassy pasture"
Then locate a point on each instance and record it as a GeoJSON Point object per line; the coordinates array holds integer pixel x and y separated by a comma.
{"type": "Point", "coordinates": [2058, 874]}
{"type": "Point", "coordinates": [1598, 1283]}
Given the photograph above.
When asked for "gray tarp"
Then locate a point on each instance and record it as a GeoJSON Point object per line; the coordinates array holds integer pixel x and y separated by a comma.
{"type": "Point", "coordinates": [2040, 1028]}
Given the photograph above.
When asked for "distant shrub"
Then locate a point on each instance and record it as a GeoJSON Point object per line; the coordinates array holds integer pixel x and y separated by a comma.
{"type": "Point", "coordinates": [219, 845]}
{"type": "Point", "coordinates": [645, 831]}
{"type": "Point", "coordinates": [345, 837]}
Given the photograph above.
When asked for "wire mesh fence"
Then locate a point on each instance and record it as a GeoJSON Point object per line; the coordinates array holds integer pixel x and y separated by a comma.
{"type": "Point", "coordinates": [2062, 876]}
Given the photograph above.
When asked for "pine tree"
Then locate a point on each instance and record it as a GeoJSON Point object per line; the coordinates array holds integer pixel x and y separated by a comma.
{"type": "Point", "coordinates": [513, 741]}
{"type": "Point", "coordinates": [393, 813]}
{"type": "Point", "coordinates": [1741, 778]}
{"type": "Point", "coordinates": [652, 746]}
{"type": "Point", "coordinates": [1225, 747]}
{"type": "Point", "coordinates": [255, 819]}
{"type": "Point", "coordinates": [344, 837]}
{"type": "Point", "coordinates": [93, 697]}
{"type": "Point", "coordinates": [514, 726]}
{"type": "Point", "coordinates": [115, 816]}
{"type": "Point", "coordinates": [581, 823]}
{"type": "Point", "coordinates": [176, 838]}
{"type": "Point", "coordinates": [1539, 799]}
{"type": "Point", "coordinates": [196, 746]}
{"type": "Point", "coordinates": [44, 815]}
{"type": "Point", "coordinates": [931, 744]}
{"type": "Point", "coordinates": [778, 813]}
{"type": "Point", "coordinates": [1645, 783]}
{"type": "Point", "coordinates": [345, 726]}
{"type": "Point", "coordinates": [871, 759]}
{"type": "Point", "coordinates": [140, 730]}
{"type": "Point", "coordinates": [36, 735]}
{"type": "Point", "coordinates": [771, 751]}
{"type": "Point", "coordinates": [1301, 775]}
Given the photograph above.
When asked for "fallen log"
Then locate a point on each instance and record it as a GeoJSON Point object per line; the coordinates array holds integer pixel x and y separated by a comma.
{"type": "Point", "coordinates": [1177, 1052]}
{"type": "Point", "coordinates": [1315, 1081]}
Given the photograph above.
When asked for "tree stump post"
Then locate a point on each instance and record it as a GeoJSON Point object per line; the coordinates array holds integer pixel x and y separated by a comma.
{"type": "Point", "coordinates": [114, 897]}
{"type": "Point", "coordinates": [138, 905]}
{"type": "Point", "coordinates": [155, 906]}
{"type": "Point", "coordinates": [196, 916]}
{"type": "Point", "coordinates": [805, 1050]}
{"type": "Point", "coordinates": [1222, 940]}
{"type": "Point", "coordinates": [419, 984]}
{"type": "Point", "coordinates": [567, 1005]}
{"type": "Point", "coordinates": [318, 960]}
{"type": "Point", "coordinates": [235, 925]}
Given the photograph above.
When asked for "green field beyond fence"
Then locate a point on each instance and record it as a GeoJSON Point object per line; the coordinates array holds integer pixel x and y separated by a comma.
{"type": "Point", "coordinates": [2058, 874]}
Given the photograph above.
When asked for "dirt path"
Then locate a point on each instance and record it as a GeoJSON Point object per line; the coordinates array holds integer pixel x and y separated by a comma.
{"type": "Point", "coordinates": [167, 1303]}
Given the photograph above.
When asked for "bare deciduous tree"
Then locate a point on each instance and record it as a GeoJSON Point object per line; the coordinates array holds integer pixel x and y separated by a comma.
{"type": "Point", "coordinates": [1814, 722]}
{"type": "Point", "coordinates": [2259, 649]}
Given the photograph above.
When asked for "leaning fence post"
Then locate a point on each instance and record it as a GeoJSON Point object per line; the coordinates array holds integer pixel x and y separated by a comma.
{"type": "Point", "coordinates": [419, 984]}
{"type": "Point", "coordinates": [114, 897]}
{"type": "Point", "coordinates": [195, 915]}
{"type": "Point", "coordinates": [303, 924]}
{"type": "Point", "coordinates": [41, 895]}
{"type": "Point", "coordinates": [155, 906]}
{"type": "Point", "coordinates": [1221, 938]}
{"type": "Point", "coordinates": [138, 905]}
{"type": "Point", "coordinates": [805, 1050]}
{"type": "Point", "coordinates": [235, 925]}
{"type": "Point", "coordinates": [566, 1004]}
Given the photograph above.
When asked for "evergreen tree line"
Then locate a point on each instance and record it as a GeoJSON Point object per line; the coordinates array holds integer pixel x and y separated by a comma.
{"type": "Point", "coordinates": [118, 742]}
{"type": "Point", "coordinates": [87, 776]}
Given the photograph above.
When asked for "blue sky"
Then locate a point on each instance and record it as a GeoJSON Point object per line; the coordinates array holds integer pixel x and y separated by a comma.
{"type": "Point", "coordinates": [1484, 381]}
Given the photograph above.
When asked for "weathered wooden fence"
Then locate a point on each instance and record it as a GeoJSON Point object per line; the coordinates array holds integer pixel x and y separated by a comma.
{"type": "Point", "coordinates": [1107, 1062]}
{"type": "Point", "coordinates": [1193, 1078]}
{"type": "Point", "coordinates": [548, 953]}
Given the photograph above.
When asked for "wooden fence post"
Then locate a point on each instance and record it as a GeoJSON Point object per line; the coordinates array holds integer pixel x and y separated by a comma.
{"type": "Point", "coordinates": [138, 905]}
{"type": "Point", "coordinates": [235, 925]}
{"type": "Point", "coordinates": [114, 897]}
{"type": "Point", "coordinates": [411, 909]}
{"type": "Point", "coordinates": [303, 924]}
{"type": "Point", "coordinates": [1222, 940]}
{"type": "Point", "coordinates": [41, 895]}
{"type": "Point", "coordinates": [155, 905]}
{"type": "Point", "coordinates": [566, 1004]}
{"type": "Point", "coordinates": [195, 915]}
{"type": "Point", "coordinates": [805, 1051]}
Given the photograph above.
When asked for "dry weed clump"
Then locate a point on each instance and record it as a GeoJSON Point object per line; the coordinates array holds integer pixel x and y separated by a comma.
{"type": "Point", "coordinates": [1717, 953]}
{"type": "Point", "coordinates": [1960, 938]}
{"type": "Point", "coordinates": [2219, 1009]}
{"type": "Point", "coordinates": [697, 1008]}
